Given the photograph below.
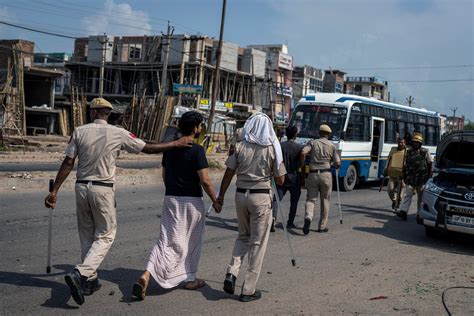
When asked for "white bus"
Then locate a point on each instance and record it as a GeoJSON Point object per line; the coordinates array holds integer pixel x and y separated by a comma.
{"type": "Point", "coordinates": [364, 130]}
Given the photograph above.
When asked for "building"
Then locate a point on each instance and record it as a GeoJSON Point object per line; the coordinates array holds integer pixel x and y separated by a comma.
{"type": "Point", "coordinates": [134, 64]}
{"type": "Point", "coordinates": [372, 87]}
{"type": "Point", "coordinates": [27, 91]}
{"type": "Point", "coordinates": [279, 74]}
{"type": "Point", "coordinates": [306, 79]}
{"type": "Point", "coordinates": [56, 61]}
{"type": "Point", "coordinates": [454, 123]}
{"type": "Point", "coordinates": [333, 81]}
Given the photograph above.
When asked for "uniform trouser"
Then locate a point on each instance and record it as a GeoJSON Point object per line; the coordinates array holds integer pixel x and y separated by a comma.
{"type": "Point", "coordinates": [393, 185]}
{"type": "Point", "coordinates": [97, 224]}
{"type": "Point", "coordinates": [409, 191]}
{"type": "Point", "coordinates": [295, 193]}
{"type": "Point", "coordinates": [254, 213]}
{"type": "Point", "coordinates": [318, 184]}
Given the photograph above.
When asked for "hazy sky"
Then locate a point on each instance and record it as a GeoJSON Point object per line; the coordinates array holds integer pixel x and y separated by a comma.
{"type": "Point", "coordinates": [419, 38]}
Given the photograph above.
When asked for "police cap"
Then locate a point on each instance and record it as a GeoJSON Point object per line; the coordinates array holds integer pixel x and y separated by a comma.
{"type": "Point", "coordinates": [417, 137]}
{"type": "Point", "coordinates": [100, 103]}
{"type": "Point", "coordinates": [325, 128]}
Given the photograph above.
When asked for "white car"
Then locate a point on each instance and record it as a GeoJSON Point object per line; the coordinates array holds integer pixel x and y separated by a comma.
{"type": "Point", "coordinates": [448, 198]}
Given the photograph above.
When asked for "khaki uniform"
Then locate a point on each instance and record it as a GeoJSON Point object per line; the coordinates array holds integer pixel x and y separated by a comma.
{"type": "Point", "coordinates": [255, 167]}
{"type": "Point", "coordinates": [395, 184]}
{"type": "Point", "coordinates": [322, 153]}
{"type": "Point", "coordinates": [97, 145]}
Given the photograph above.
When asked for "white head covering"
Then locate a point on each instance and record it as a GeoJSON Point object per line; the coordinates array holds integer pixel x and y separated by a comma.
{"type": "Point", "coordinates": [258, 129]}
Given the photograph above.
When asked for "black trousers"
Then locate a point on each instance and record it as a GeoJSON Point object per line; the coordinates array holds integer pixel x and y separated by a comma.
{"type": "Point", "coordinates": [295, 193]}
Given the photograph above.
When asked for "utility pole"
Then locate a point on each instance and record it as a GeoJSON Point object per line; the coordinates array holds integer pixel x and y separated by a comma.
{"type": "Point", "coordinates": [181, 68]}
{"type": "Point", "coordinates": [215, 89]}
{"type": "Point", "coordinates": [102, 64]}
{"type": "Point", "coordinates": [454, 118]}
{"type": "Point", "coordinates": [410, 100]}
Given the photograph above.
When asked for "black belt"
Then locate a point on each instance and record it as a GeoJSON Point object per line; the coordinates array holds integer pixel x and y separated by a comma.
{"type": "Point", "coordinates": [320, 170]}
{"type": "Point", "coordinates": [103, 184]}
{"type": "Point", "coordinates": [252, 191]}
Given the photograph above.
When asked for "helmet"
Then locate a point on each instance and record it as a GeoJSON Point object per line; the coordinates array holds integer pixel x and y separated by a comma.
{"type": "Point", "coordinates": [417, 137]}
{"type": "Point", "coordinates": [325, 128]}
{"type": "Point", "coordinates": [100, 103]}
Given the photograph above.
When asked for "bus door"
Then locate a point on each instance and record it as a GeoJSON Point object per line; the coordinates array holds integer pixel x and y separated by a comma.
{"type": "Point", "coordinates": [378, 129]}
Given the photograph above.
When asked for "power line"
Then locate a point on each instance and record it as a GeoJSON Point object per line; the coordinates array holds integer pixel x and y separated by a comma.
{"type": "Point", "coordinates": [37, 31]}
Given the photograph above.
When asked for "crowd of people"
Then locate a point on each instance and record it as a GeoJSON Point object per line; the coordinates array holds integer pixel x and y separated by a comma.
{"type": "Point", "coordinates": [257, 160]}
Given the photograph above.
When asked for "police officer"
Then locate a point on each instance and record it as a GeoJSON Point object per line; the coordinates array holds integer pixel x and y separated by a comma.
{"type": "Point", "coordinates": [96, 145]}
{"type": "Point", "coordinates": [322, 153]}
{"type": "Point", "coordinates": [417, 170]}
{"type": "Point", "coordinates": [395, 181]}
{"type": "Point", "coordinates": [256, 160]}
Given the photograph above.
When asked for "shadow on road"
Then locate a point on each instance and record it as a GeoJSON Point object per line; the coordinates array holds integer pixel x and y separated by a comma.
{"type": "Point", "coordinates": [59, 291]}
{"type": "Point", "coordinates": [409, 232]}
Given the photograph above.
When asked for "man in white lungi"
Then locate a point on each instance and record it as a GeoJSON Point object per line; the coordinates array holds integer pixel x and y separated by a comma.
{"type": "Point", "coordinates": [96, 145]}
{"type": "Point", "coordinates": [256, 161]}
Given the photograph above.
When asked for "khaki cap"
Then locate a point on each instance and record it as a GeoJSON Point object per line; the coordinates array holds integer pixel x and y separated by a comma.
{"type": "Point", "coordinates": [417, 137]}
{"type": "Point", "coordinates": [325, 128]}
{"type": "Point", "coordinates": [100, 103]}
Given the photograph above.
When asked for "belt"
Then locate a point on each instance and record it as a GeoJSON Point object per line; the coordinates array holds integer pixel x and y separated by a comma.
{"type": "Point", "coordinates": [320, 170]}
{"type": "Point", "coordinates": [252, 191]}
{"type": "Point", "coordinates": [103, 184]}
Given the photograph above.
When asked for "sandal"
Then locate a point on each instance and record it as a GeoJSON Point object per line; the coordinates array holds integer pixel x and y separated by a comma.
{"type": "Point", "coordinates": [194, 285]}
{"type": "Point", "coordinates": [139, 289]}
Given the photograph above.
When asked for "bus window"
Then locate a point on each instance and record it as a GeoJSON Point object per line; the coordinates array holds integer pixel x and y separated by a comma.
{"type": "Point", "coordinates": [308, 118]}
{"type": "Point", "coordinates": [390, 133]}
{"type": "Point", "coordinates": [430, 136]}
{"type": "Point", "coordinates": [401, 129]}
{"type": "Point", "coordinates": [358, 128]}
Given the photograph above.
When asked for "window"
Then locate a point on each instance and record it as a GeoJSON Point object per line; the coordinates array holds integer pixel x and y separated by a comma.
{"type": "Point", "coordinates": [338, 87]}
{"type": "Point", "coordinates": [358, 128]}
{"type": "Point", "coordinates": [401, 128]}
{"type": "Point", "coordinates": [430, 136]}
{"type": "Point", "coordinates": [390, 132]}
{"type": "Point", "coordinates": [135, 51]}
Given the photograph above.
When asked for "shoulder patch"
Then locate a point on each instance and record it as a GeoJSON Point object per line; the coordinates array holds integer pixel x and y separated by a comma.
{"type": "Point", "coordinates": [132, 135]}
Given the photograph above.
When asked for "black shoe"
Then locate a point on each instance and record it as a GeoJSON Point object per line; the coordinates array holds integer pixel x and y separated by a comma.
{"type": "Point", "coordinates": [248, 298]}
{"type": "Point", "coordinates": [74, 281]}
{"type": "Point", "coordinates": [394, 205]}
{"type": "Point", "coordinates": [272, 228]}
{"type": "Point", "coordinates": [289, 226]}
{"type": "Point", "coordinates": [91, 286]}
{"type": "Point", "coordinates": [307, 222]}
{"type": "Point", "coordinates": [229, 283]}
{"type": "Point", "coordinates": [403, 215]}
{"type": "Point", "coordinates": [325, 230]}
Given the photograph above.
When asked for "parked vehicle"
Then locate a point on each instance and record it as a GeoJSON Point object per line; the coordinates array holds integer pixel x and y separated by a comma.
{"type": "Point", "coordinates": [448, 199]}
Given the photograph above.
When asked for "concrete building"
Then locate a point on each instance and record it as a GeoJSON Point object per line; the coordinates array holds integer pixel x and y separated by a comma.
{"type": "Point", "coordinates": [372, 87]}
{"type": "Point", "coordinates": [134, 64]}
{"type": "Point", "coordinates": [27, 94]}
{"type": "Point", "coordinates": [306, 79]}
{"type": "Point", "coordinates": [279, 74]}
{"type": "Point", "coordinates": [56, 61]}
{"type": "Point", "coordinates": [333, 81]}
{"type": "Point", "coordinates": [454, 123]}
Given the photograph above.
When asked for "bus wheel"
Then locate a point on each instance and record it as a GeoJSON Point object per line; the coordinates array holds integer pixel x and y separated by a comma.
{"type": "Point", "coordinates": [350, 180]}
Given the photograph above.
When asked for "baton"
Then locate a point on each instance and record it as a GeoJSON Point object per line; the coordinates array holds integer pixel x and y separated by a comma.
{"type": "Point", "coordinates": [277, 198]}
{"type": "Point", "coordinates": [210, 206]}
{"type": "Point", "coordinates": [50, 229]}
{"type": "Point", "coordinates": [338, 196]}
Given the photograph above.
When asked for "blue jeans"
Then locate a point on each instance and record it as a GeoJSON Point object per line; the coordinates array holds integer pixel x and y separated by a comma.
{"type": "Point", "coordinates": [295, 193]}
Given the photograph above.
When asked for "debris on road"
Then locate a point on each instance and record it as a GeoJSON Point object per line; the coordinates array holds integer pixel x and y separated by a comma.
{"type": "Point", "coordinates": [381, 297]}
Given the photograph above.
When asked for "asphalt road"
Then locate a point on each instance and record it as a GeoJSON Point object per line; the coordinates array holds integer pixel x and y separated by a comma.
{"type": "Point", "coordinates": [54, 166]}
{"type": "Point", "coordinates": [373, 254]}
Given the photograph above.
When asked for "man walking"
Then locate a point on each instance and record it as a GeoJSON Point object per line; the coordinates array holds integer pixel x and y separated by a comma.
{"type": "Point", "coordinates": [417, 170]}
{"type": "Point", "coordinates": [97, 146]}
{"type": "Point", "coordinates": [394, 170]}
{"type": "Point", "coordinates": [291, 157]}
{"type": "Point", "coordinates": [322, 153]}
{"type": "Point", "coordinates": [256, 160]}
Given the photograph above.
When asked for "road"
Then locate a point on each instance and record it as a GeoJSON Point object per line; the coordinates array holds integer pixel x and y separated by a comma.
{"type": "Point", "coordinates": [54, 166]}
{"type": "Point", "coordinates": [372, 254]}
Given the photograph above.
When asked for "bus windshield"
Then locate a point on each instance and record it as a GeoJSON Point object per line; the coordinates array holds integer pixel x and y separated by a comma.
{"type": "Point", "coordinates": [308, 118]}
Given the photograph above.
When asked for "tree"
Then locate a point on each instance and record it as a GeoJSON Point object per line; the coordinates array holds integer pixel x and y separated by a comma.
{"type": "Point", "coordinates": [469, 126]}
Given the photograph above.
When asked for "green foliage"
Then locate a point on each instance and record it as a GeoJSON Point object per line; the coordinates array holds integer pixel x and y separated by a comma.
{"type": "Point", "coordinates": [469, 126]}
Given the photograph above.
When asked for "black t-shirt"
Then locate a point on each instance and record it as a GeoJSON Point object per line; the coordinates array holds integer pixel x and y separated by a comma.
{"type": "Point", "coordinates": [181, 167]}
{"type": "Point", "coordinates": [291, 155]}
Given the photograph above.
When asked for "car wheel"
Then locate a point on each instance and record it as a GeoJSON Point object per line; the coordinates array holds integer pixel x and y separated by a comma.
{"type": "Point", "coordinates": [430, 232]}
{"type": "Point", "coordinates": [349, 181]}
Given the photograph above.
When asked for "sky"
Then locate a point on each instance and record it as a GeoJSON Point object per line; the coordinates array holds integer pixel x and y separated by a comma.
{"type": "Point", "coordinates": [423, 48]}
